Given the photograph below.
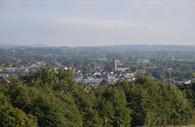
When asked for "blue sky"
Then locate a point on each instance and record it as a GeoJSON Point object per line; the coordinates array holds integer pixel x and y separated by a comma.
{"type": "Point", "coordinates": [97, 22]}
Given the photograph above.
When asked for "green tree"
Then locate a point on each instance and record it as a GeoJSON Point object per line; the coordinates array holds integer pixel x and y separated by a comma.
{"type": "Point", "coordinates": [113, 108]}
{"type": "Point", "coordinates": [154, 103]}
{"type": "Point", "coordinates": [13, 117]}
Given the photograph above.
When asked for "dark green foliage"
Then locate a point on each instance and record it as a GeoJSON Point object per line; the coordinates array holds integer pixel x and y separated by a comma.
{"type": "Point", "coordinates": [13, 117]}
{"type": "Point", "coordinates": [154, 103]}
{"type": "Point", "coordinates": [56, 100]}
{"type": "Point", "coordinates": [112, 108]}
{"type": "Point", "coordinates": [56, 110]}
{"type": "Point", "coordinates": [189, 91]}
{"type": "Point", "coordinates": [50, 108]}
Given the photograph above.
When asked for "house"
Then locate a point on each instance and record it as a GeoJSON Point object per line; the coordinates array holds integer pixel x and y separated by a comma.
{"type": "Point", "coordinates": [122, 69]}
{"type": "Point", "coordinates": [4, 75]}
{"type": "Point", "coordinates": [187, 82]}
{"type": "Point", "coordinates": [90, 81]}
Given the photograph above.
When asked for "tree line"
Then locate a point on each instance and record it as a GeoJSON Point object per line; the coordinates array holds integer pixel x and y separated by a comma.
{"type": "Point", "coordinates": [54, 99]}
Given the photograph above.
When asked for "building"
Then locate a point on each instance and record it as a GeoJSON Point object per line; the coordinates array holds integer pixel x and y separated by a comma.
{"type": "Point", "coordinates": [118, 66]}
{"type": "Point", "coordinates": [187, 82]}
{"type": "Point", "coordinates": [4, 75]}
{"type": "Point", "coordinates": [116, 63]}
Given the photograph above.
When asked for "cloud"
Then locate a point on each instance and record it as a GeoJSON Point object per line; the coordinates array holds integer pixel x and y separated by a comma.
{"type": "Point", "coordinates": [113, 25]}
{"type": "Point", "coordinates": [105, 24]}
{"type": "Point", "coordinates": [83, 31]}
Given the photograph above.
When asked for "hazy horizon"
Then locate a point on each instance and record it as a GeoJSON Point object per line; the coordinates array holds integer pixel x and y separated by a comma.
{"type": "Point", "coordinates": [12, 45]}
{"type": "Point", "coordinates": [97, 23]}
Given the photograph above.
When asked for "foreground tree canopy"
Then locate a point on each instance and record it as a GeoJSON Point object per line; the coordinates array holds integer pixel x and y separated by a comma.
{"type": "Point", "coordinates": [55, 100]}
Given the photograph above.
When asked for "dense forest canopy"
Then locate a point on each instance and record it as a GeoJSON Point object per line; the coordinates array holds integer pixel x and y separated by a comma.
{"type": "Point", "coordinates": [53, 99]}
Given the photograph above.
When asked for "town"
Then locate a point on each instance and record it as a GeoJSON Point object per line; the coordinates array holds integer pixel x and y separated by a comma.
{"type": "Point", "coordinates": [99, 77]}
{"type": "Point", "coordinates": [96, 69]}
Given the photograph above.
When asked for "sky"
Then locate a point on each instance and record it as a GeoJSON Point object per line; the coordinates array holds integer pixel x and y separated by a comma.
{"type": "Point", "coordinates": [97, 22]}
